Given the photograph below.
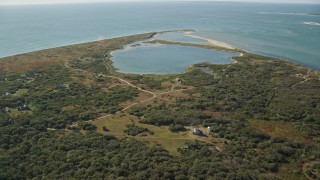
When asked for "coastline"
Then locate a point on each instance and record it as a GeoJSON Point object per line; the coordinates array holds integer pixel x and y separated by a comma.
{"type": "Point", "coordinates": [211, 41]}
{"type": "Point", "coordinates": [77, 43]}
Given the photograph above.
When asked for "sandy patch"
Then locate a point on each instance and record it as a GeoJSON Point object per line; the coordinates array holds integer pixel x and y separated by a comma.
{"type": "Point", "coordinates": [211, 41]}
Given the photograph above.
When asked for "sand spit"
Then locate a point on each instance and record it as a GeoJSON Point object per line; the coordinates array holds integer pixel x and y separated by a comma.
{"type": "Point", "coordinates": [211, 41]}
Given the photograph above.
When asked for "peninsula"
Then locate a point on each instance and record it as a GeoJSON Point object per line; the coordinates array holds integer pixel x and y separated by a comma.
{"type": "Point", "coordinates": [68, 113]}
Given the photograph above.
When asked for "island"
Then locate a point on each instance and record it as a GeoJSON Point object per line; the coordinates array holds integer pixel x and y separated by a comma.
{"type": "Point", "coordinates": [67, 112]}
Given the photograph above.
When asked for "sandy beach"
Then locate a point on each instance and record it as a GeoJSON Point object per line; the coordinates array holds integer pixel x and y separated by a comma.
{"type": "Point", "coordinates": [211, 41]}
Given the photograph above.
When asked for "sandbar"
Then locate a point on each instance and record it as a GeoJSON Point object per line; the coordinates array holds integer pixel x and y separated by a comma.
{"type": "Point", "coordinates": [211, 41]}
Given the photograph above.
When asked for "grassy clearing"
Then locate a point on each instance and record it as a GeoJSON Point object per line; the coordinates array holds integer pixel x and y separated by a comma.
{"type": "Point", "coordinates": [170, 145]}
{"type": "Point", "coordinates": [16, 113]}
{"type": "Point", "coordinates": [289, 171]}
{"type": "Point", "coordinates": [162, 135]}
{"type": "Point", "coordinates": [278, 129]}
{"type": "Point", "coordinates": [142, 96]}
{"type": "Point", "coordinates": [21, 92]}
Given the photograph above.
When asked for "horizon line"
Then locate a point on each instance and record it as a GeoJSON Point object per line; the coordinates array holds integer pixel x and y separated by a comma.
{"type": "Point", "coordinates": [126, 1]}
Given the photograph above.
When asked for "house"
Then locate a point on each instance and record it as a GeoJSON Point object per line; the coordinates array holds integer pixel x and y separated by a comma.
{"type": "Point", "coordinates": [197, 131]}
{"type": "Point", "coordinates": [26, 78]}
{"type": "Point", "coordinates": [185, 147]}
{"type": "Point", "coordinates": [179, 80]}
{"type": "Point", "coordinates": [101, 75]}
{"type": "Point", "coordinates": [63, 85]}
{"type": "Point", "coordinates": [23, 107]}
{"type": "Point", "coordinates": [9, 121]}
{"type": "Point", "coordinates": [299, 75]}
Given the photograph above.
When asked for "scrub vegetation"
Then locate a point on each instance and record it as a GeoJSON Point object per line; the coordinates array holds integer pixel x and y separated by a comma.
{"type": "Point", "coordinates": [67, 113]}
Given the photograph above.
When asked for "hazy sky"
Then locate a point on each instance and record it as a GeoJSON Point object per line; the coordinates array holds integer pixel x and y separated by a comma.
{"type": "Point", "coordinates": [81, 1]}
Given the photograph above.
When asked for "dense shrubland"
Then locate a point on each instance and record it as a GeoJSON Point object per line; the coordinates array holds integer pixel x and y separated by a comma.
{"type": "Point", "coordinates": [39, 139]}
{"type": "Point", "coordinates": [38, 153]}
{"type": "Point", "coordinates": [59, 104]}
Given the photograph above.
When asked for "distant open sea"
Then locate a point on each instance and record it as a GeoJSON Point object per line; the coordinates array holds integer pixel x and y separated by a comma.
{"type": "Point", "coordinates": [280, 30]}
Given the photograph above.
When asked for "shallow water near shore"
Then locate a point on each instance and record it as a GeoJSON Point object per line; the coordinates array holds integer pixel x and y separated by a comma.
{"type": "Point", "coordinates": [164, 59]}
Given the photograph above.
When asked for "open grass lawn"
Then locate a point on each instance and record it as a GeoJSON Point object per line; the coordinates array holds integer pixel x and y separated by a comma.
{"type": "Point", "coordinates": [15, 113]}
{"type": "Point", "coordinates": [162, 136]}
{"type": "Point", "coordinates": [21, 92]}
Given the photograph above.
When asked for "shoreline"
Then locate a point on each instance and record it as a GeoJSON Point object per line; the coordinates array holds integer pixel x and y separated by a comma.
{"type": "Point", "coordinates": [74, 44]}
{"type": "Point", "coordinates": [187, 32]}
{"type": "Point", "coordinates": [211, 41]}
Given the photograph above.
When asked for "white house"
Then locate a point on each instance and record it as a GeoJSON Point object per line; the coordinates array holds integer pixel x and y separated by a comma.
{"type": "Point", "coordinates": [179, 80]}
{"type": "Point", "coordinates": [197, 131]}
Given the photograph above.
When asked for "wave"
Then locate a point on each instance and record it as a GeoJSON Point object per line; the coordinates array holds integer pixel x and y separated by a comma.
{"type": "Point", "coordinates": [312, 23]}
{"type": "Point", "coordinates": [285, 13]}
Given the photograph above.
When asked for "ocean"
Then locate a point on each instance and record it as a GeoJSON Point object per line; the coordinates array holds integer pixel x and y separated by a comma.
{"type": "Point", "coordinates": [288, 31]}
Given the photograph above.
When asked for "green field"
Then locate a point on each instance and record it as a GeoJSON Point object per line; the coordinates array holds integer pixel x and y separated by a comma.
{"type": "Point", "coordinates": [162, 136]}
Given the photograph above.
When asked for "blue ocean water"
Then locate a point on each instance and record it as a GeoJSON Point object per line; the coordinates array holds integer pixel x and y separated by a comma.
{"type": "Point", "coordinates": [279, 30]}
{"type": "Point", "coordinates": [163, 59]}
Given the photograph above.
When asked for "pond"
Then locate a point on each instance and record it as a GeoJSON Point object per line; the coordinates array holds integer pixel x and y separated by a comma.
{"type": "Point", "coordinates": [145, 58]}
